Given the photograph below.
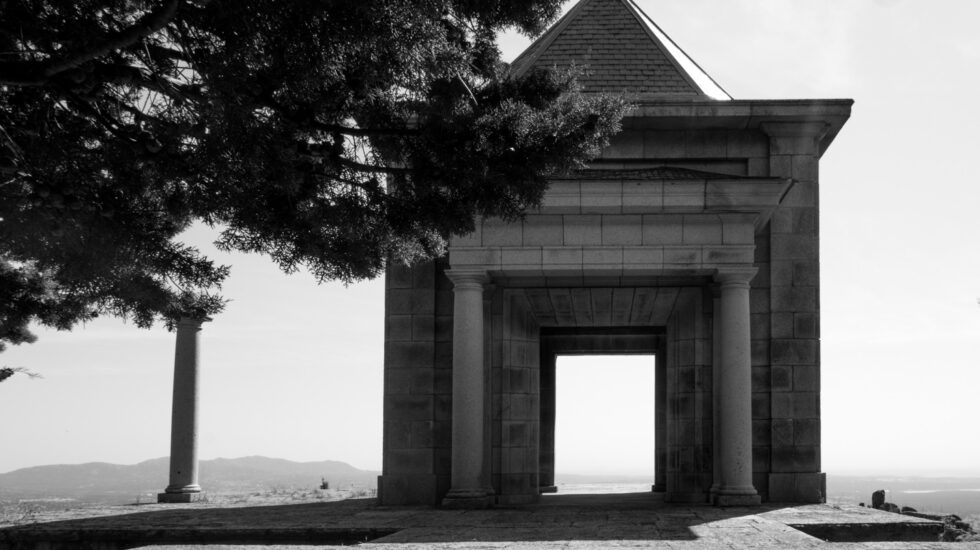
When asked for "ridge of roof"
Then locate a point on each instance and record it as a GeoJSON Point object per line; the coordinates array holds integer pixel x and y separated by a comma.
{"type": "Point", "coordinates": [625, 61]}
{"type": "Point", "coordinates": [525, 60]}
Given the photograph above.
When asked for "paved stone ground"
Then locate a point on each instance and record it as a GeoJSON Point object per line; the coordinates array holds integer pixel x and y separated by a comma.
{"type": "Point", "coordinates": [636, 520]}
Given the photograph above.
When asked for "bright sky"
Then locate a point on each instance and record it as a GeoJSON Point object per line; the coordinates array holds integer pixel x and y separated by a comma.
{"type": "Point", "coordinates": [294, 370]}
{"type": "Point", "coordinates": [594, 397]}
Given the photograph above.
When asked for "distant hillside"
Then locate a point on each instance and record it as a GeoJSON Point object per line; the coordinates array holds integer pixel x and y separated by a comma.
{"type": "Point", "coordinates": [111, 482]}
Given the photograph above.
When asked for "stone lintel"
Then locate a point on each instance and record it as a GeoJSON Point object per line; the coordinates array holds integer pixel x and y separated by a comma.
{"type": "Point", "coordinates": [596, 261]}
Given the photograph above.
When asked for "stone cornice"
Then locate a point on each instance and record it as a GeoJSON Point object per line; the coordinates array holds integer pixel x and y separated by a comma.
{"type": "Point", "coordinates": [652, 113]}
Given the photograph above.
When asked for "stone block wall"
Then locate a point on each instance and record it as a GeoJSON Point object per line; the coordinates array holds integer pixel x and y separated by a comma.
{"type": "Point", "coordinates": [689, 399]}
{"type": "Point", "coordinates": [794, 348]}
{"type": "Point", "coordinates": [761, 320]}
{"type": "Point", "coordinates": [442, 387]}
{"type": "Point", "coordinates": [411, 404]}
{"type": "Point", "coordinates": [515, 400]}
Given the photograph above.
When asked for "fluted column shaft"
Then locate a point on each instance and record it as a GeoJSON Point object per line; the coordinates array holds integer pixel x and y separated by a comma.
{"type": "Point", "coordinates": [467, 485]}
{"type": "Point", "coordinates": [735, 399]}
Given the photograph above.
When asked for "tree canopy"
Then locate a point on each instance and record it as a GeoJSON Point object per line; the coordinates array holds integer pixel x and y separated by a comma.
{"type": "Point", "coordinates": [328, 134]}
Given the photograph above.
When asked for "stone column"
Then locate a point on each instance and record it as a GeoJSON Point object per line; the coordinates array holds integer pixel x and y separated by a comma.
{"type": "Point", "coordinates": [467, 486]}
{"type": "Point", "coordinates": [735, 400]}
{"type": "Point", "coordinates": [715, 391]}
{"type": "Point", "coordinates": [488, 292]}
{"type": "Point", "coordinates": [183, 485]}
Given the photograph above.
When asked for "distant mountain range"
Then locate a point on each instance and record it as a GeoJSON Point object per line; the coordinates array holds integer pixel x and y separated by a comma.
{"type": "Point", "coordinates": [108, 482]}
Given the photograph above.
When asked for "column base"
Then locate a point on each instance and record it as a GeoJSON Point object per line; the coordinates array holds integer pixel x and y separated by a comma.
{"type": "Point", "coordinates": [548, 489]}
{"type": "Point", "coordinates": [179, 498]}
{"type": "Point", "coordinates": [737, 500]}
{"type": "Point", "coordinates": [659, 487]}
{"type": "Point", "coordinates": [467, 500]}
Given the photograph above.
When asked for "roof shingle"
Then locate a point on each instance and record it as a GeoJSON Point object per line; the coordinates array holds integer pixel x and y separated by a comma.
{"type": "Point", "coordinates": [619, 48]}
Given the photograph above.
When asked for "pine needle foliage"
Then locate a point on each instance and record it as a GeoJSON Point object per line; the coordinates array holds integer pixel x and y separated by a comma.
{"type": "Point", "coordinates": [326, 134]}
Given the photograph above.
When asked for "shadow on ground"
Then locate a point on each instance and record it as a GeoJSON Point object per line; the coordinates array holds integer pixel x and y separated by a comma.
{"type": "Point", "coordinates": [631, 516]}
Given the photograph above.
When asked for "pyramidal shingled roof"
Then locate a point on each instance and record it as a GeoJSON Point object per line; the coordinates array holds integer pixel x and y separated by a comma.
{"type": "Point", "coordinates": [621, 49]}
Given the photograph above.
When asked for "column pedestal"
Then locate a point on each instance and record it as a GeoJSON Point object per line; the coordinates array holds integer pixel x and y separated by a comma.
{"type": "Point", "coordinates": [468, 488]}
{"type": "Point", "coordinates": [183, 486]}
{"type": "Point", "coordinates": [735, 398]}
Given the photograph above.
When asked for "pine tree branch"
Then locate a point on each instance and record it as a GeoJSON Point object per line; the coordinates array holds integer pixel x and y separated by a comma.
{"type": "Point", "coordinates": [371, 168]}
{"type": "Point", "coordinates": [148, 24]}
{"type": "Point", "coordinates": [38, 73]}
{"type": "Point", "coordinates": [363, 132]}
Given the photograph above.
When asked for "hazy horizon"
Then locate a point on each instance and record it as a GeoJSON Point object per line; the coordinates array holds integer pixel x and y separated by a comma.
{"type": "Point", "coordinates": [924, 474]}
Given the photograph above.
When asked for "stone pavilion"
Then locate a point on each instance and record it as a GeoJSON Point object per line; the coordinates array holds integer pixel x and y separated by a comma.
{"type": "Point", "coordinates": [694, 237]}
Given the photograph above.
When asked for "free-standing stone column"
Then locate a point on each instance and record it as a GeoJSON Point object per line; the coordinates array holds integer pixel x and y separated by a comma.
{"type": "Point", "coordinates": [467, 486]}
{"type": "Point", "coordinates": [735, 400]}
{"type": "Point", "coordinates": [183, 485]}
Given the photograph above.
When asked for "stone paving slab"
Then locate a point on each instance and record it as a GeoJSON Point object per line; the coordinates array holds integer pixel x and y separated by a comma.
{"type": "Point", "coordinates": [843, 513]}
{"type": "Point", "coordinates": [559, 521]}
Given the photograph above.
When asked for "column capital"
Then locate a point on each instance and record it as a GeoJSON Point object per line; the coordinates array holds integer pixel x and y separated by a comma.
{"type": "Point", "coordinates": [468, 278]}
{"type": "Point", "coordinates": [735, 276]}
{"type": "Point", "coordinates": [192, 322]}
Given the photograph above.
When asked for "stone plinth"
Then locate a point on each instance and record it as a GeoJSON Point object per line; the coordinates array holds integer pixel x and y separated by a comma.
{"type": "Point", "coordinates": [181, 498]}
